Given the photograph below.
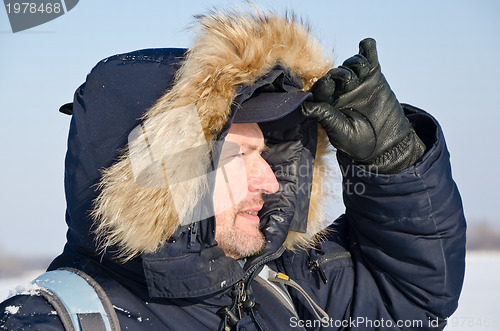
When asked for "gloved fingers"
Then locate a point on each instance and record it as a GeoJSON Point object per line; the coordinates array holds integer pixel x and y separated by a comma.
{"type": "Point", "coordinates": [345, 80]}
{"type": "Point", "coordinates": [348, 131]}
{"type": "Point", "coordinates": [323, 89]}
{"type": "Point", "coordinates": [359, 65]}
{"type": "Point", "coordinates": [348, 76]}
{"type": "Point", "coordinates": [319, 111]}
{"type": "Point", "coordinates": [368, 48]}
{"type": "Point", "coordinates": [335, 123]}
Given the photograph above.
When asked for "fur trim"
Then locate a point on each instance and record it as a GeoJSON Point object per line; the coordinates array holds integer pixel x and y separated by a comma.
{"type": "Point", "coordinates": [136, 210]}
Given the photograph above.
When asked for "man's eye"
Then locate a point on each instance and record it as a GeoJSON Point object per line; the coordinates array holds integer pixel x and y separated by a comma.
{"type": "Point", "coordinates": [228, 158]}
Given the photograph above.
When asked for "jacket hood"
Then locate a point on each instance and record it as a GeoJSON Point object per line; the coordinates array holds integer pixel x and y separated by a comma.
{"type": "Point", "coordinates": [143, 148]}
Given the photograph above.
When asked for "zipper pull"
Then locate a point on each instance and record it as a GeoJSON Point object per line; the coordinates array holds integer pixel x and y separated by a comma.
{"type": "Point", "coordinates": [228, 316]}
{"type": "Point", "coordinates": [314, 265]}
{"type": "Point", "coordinates": [241, 298]}
{"type": "Point", "coordinates": [192, 235]}
{"type": "Point", "coordinates": [250, 304]}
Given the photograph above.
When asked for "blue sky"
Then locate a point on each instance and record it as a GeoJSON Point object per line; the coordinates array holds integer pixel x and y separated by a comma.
{"type": "Point", "coordinates": [438, 55]}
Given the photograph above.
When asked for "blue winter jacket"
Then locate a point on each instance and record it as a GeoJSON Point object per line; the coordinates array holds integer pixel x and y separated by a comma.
{"type": "Point", "coordinates": [394, 260]}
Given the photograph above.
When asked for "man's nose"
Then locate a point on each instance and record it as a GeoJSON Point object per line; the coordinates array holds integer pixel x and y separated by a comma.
{"type": "Point", "coordinates": [261, 178]}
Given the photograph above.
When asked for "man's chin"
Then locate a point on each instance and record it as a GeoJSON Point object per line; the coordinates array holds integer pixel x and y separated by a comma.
{"type": "Point", "coordinates": [239, 235]}
{"type": "Point", "coordinates": [250, 243]}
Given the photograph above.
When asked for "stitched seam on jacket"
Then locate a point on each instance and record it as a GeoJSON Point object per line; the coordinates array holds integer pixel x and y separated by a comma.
{"type": "Point", "coordinates": [431, 216]}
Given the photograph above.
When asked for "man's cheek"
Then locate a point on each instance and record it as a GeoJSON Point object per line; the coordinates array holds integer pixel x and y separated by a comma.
{"type": "Point", "coordinates": [231, 186]}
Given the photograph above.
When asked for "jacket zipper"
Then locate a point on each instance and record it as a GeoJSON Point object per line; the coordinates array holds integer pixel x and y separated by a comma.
{"type": "Point", "coordinates": [268, 258]}
{"type": "Point", "coordinates": [316, 264]}
{"type": "Point", "coordinates": [248, 277]}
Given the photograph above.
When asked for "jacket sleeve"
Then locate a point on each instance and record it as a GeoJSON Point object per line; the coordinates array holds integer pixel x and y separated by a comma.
{"type": "Point", "coordinates": [396, 259]}
{"type": "Point", "coordinates": [28, 312]}
{"type": "Point", "coordinates": [407, 231]}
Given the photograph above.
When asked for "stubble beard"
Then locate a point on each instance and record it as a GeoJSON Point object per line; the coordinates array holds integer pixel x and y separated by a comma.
{"type": "Point", "coordinates": [237, 240]}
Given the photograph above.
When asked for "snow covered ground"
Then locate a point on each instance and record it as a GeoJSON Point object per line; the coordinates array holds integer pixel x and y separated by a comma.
{"type": "Point", "coordinates": [479, 306]}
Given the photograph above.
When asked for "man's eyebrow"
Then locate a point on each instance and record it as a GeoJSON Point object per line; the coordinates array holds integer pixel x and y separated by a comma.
{"type": "Point", "coordinates": [261, 149]}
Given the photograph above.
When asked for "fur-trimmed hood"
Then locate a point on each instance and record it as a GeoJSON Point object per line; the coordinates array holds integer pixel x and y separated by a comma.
{"type": "Point", "coordinates": [147, 190]}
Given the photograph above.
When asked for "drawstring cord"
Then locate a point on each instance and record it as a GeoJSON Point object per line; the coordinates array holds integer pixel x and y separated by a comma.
{"type": "Point", "coordinates": [278, 277]}
{"type": "Point", "coordinates": [230, 319]}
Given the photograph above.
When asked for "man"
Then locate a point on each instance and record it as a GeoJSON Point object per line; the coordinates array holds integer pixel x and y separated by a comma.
{"type": "Point", "coordinates": [200, 207]}
{"type": "Point", "coordinates": [237, 227]}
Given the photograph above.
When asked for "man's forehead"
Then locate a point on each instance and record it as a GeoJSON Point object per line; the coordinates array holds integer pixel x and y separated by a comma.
{"type": "Point", "coordinates": [247, 135]}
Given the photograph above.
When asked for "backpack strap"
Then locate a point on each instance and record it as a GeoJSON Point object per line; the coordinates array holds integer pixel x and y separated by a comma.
{"type": "Point", "coordinates": [80, 302]}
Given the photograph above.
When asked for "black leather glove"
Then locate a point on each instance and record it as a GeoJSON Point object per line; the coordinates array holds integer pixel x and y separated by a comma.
{"type": "Point", "coordinates": [361, 115]}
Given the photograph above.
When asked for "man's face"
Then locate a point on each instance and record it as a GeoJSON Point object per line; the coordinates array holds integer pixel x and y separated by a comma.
{"type": "Point", "coordinates": [242, 178]}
